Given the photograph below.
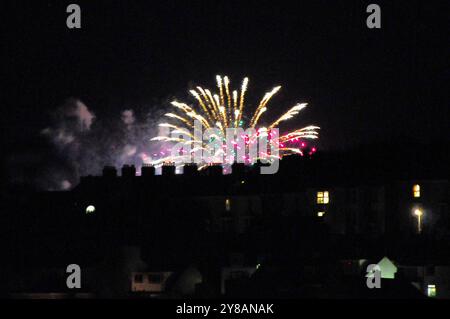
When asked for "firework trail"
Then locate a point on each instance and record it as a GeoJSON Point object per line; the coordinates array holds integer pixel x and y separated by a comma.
{"type": "Point", "coordinates": [227, 109]}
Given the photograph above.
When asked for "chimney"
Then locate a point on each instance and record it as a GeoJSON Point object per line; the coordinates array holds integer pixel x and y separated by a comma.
{"type": "Point", "coordinates": [147, 170]}
{"type": "Point", "coordinates": [190, 170]}
{"type": "Point", "coordinates": [109, 171]}
{"type": "Point", "coordinates": [128, 171]}
{"type": "Point", "coordinates": [238, 169]}
{"type": "Point", "coordinates": [168, 169]}
{"type": "Point", "coordinates": [213, 170]}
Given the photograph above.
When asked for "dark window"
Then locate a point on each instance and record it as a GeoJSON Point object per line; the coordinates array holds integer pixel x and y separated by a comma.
{"type": "Point", "coordinates": [353, 195]}
{"type": "Point", "coordinates": [430, 270]}
{"type": "Point", "coordinates": [238, 274]}
{"type": "Point", "coordinates": [227, 225]}
{"type": "Point", "coordinates": [154, 278]}
{"type": "Point", "coordinates": [138, 278]}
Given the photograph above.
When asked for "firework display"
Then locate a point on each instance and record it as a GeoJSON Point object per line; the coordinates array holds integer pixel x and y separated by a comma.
{"type": "Point", "coordinates": [226, 109]}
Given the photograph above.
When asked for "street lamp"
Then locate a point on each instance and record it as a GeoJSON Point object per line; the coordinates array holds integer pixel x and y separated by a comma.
{"type": "Point", "coordinates": [90, 209]}
{"type": "Point", "coordinates": [419, 214]}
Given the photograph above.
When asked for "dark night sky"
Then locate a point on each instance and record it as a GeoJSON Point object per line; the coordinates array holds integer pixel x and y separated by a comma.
{"type": "Point", "coordinates": [362, 85]}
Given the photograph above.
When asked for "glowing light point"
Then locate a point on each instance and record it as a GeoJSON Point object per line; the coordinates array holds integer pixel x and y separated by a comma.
{"type": "Point", "coordinates": [90, 209]}
{"type": "Point", "coordinates": [431, 291]}
{"type": "Point", "coordinates": [418, 212]}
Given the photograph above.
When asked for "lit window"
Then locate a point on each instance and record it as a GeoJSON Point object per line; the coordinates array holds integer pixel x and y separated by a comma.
{"type": "Point", "coordinates": [320, 214]}
{"type": "Point", "coordinates": [90, 209]}
{"type": "Point", "coordinates": [227, 205]}
{"type": "Point", "coordinates": [431, 291]}
{"type": "Point", "coordinates": [416, 190]}
{"type": "Point", "coordinates": [323, 198]}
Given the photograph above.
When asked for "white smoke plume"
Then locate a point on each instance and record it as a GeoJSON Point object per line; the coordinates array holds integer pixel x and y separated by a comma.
{"type": "Point", "coordinates": [82, 113]}
{"type": "Point", "coordinates": [83, 143]}
{"type": "Point", "coordinates": [72, 119]}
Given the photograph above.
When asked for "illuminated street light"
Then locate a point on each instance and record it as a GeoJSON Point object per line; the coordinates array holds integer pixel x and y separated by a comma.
{"type": "Point", "coordinates": [418, 214]}
{"type": "Point", "coordinates": [90, 209]}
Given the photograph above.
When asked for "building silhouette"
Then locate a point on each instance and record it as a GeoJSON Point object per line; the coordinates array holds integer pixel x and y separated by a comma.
{"type": "Point", "coordinates": [320, 220]}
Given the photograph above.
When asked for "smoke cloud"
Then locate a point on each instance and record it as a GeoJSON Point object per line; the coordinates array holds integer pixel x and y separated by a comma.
{"type": "Point", "coordinates": [83, 143]}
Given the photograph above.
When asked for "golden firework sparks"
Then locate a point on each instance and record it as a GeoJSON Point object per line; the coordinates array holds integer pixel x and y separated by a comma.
{"type": "Point", "coordinates": [224, 110]}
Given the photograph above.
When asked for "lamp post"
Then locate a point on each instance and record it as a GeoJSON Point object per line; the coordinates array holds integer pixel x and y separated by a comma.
{"type": "Point", "coordinates": [419, 213]}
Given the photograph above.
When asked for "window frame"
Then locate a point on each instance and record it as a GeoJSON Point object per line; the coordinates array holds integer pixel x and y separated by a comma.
{"type": "Point", "coordinates": [323, 197]}
{"type": "Point", "coordinates": [416, 189]}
